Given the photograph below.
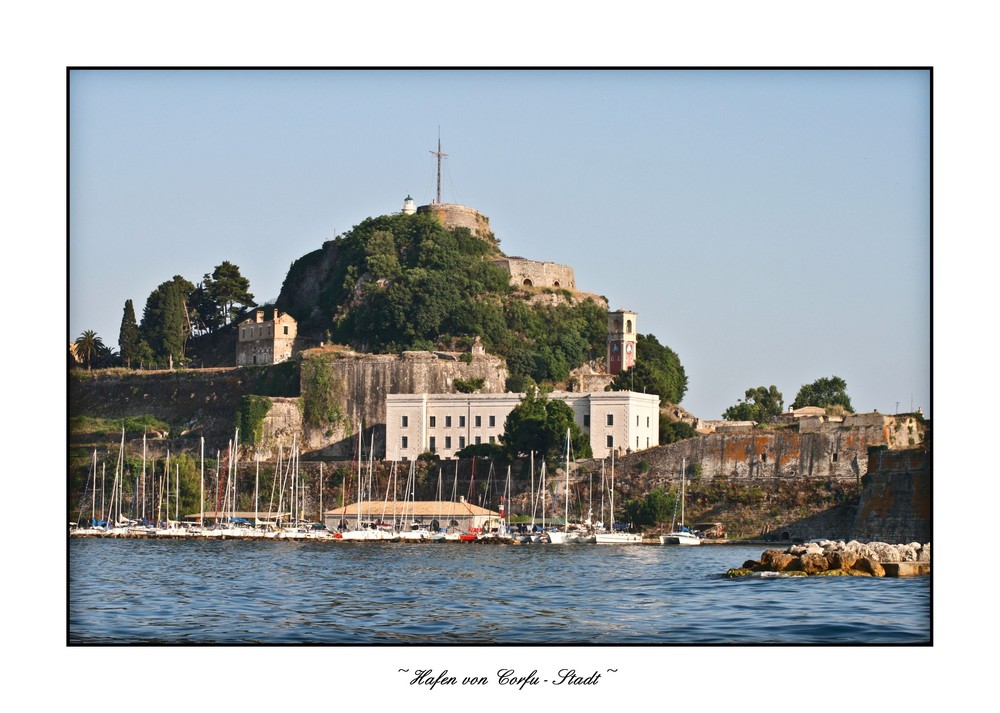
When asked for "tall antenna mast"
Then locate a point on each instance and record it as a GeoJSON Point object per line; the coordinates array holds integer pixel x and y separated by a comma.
{"type": "Point", "coordinates": [439, 157]}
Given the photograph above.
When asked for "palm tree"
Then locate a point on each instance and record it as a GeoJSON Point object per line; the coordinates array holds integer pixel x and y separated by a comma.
{"type": "Point", "coordinates": [88, 345]}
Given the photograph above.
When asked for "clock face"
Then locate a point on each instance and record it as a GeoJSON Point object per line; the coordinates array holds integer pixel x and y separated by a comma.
{"type": "Point", "coordinates": [628, 348]}
{"type": "Point", "coordinates": [614, 348]}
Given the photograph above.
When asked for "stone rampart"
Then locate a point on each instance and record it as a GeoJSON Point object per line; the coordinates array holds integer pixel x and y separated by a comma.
{"type": "Point", "coordinates": [362, 382]}
{"type": "Point", "coordinates": [835, 452]}
{"type": "Point", "coordinates": [895, 503]}
{"type": "Point", "coordinates": [530, 273]}
{"type": "Point", "coordinates": [453, 215]}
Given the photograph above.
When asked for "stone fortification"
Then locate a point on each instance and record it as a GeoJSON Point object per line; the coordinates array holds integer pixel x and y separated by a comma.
{"type": "Point", "coordinates": [530, 273]}
{"type": "Point", "coordinates": [361, 383]}
{"type": "Point", "coordinates": [895, 503]}
{"type": "Point", "coordinates": [453, 215]}
{"type": "Point", "coordinates": [196, 401]}
{"type": "Point", "coordinates": [832, 452]}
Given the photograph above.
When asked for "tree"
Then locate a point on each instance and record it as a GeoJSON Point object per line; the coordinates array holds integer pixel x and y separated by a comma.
{"type": "Point", "coordinates": [539, 425]}
{"type": "Point", "coordinates": [761, 404]}
{"type": "Point", "coordinates": [88, 346]}
{"type": "Point", "coordinates": [673, 431]}
{"type": "Point", "coordinates": [824, 393]}
{"type": "Point", "coordinates": [128, 335]}
{"type": "Point", "coordinates": [165, 325]}
{"type": "Point", "coordinates": [657, 370]}
{"type": "Point", "coordinates": [227, 288]}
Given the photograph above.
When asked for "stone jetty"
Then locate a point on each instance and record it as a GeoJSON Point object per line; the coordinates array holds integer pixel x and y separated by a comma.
{"type": "Point", "coordinates": [830, 558]}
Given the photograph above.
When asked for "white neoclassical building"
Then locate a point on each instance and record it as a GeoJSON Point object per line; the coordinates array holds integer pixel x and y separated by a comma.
{"type": "Point", "coordinates": [623, 421]}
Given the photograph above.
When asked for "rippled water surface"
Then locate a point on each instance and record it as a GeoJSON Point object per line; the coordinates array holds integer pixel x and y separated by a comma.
{"type": "Point", "coordinates": [230, 592]}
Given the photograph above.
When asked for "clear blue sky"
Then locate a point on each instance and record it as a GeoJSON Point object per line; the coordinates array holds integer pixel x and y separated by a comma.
{"type": "Point", "coordinates": [772, 227]}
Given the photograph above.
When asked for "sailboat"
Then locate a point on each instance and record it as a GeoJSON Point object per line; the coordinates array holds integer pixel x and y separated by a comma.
{"type": "Point", "coordinates": [682, 535]}
{"type": "Point", "coordinates": [565, 536]}
{"type": "Point", "coordinates": [612, 537]}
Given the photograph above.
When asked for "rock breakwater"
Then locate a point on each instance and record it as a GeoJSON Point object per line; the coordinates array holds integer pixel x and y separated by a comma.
{"type": "Point", "coordinates": [837, 558]}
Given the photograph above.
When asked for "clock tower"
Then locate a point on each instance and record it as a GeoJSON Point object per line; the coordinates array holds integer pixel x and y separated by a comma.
{"type": "Point", "coordinates": [621, 341]}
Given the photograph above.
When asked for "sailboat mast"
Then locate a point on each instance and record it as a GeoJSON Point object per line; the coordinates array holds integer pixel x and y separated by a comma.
{"type": "Point", "coordinates": [93, 491]}
{"type": "Point", "coordinates": [566, 523]}
{"type": "Point", "coordinates": [202, 523]}
{"type": "Point", "coordinates": [683, 475]}
{"type": "Point", "coordinates": [321, 493]}
{"type": "Point", "coordinates": [143, 514]}
{"type": "Point", "coordinates": [612, 490]}
{"type": "Point", "coordinates": [256, 490]}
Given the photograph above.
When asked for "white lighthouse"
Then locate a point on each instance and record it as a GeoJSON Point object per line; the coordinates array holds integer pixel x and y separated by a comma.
{"type": "Point", "coordinates": [409, 207]}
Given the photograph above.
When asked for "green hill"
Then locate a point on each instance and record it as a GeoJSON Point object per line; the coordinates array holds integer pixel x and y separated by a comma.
{"type": "Point", "coordinates": [401, 282]}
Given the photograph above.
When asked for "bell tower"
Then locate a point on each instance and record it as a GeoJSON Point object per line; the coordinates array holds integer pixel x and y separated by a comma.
{"type": "Point", "coordinates": [621, 341]}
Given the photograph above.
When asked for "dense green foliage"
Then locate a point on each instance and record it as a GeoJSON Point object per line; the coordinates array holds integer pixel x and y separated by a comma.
{"type": "Point", "coordinates": [539, 425]}
{"type": "Point", "coordinates": [657, 507]}
{"type": "Point", "coordinates": [468, 386]}
{"type": "Point", "coordinates": [402, 282]}
{"type": "Point", "coordinates": [824, 392]}
{"type": "Point", "coordinates": [673, 431]}
{"type": "Point", "coordinates": [221, 296]}
{"type": "Point", "coordinates": [128, 335]}
{"type": "Point", "coordinates": [165, 326]}
{"type": "Point", "coordinates": [250, 417]}
{"type": "Point", "coordinates": [761, 404]}
{"type": "Point", "coordinates": [657, 370]}
{"type": "Point", "coordinates": [321, 392]}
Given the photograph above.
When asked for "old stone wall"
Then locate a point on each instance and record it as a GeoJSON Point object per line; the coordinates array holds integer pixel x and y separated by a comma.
{"type": "Point", "coordinates": [199, 401]}
{"type": "Point", "coordinates": [453, 215]}
{"type": "Point", "coordinates": [895, 504]}
{"type": "Point", "coordinates": [835, 452]}
{"type": "Point", "coordinates": [364, 380]}
{"type": "Point", "coordinates": [530, 273]}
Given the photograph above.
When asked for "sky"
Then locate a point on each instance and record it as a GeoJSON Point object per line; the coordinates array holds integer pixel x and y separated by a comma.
{"type": "Point", "coordinates": [771, 227]}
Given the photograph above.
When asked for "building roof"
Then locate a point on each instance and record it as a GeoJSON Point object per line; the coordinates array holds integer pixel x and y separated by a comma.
{"type": "Point", "coordinates": [420, 508]}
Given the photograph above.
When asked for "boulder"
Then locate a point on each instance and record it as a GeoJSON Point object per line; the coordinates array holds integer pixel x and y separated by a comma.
{"type": "Point", "coordinates": [861, 549]}
{"type": "Point", "coordinates": [867, 565]}
{"type": "Point", "coordinates": [884, 552]}
{"type": "Point", "coordinates": [925, 553]}
{"type": "Point", "coordinates": [797, 550]}
{"type": "Point", "coordinates": [842, 559]}
{"type": "Point", "coordinates": [776, 560]}
{"type": "Point", "coordinates": [907, 553]}
{"type": "Point", "coordinates": [813, 563]}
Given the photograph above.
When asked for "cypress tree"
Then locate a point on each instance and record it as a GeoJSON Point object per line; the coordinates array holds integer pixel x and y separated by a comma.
{"type": "Point", "coordinates": [128, 335]}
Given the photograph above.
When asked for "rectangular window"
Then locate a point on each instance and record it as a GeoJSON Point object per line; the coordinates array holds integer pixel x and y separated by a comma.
{"type": "Point", "coordinates": [432, 444]}
{"type": "Point", "coordinates": [647, 441]}
{"type": "Point", "coordinates": [611, 441]}
{"type": "Point", "coordinates": [637, 421]}
{"type": "Point", "coordinates": [447, 421]}
{"type": "Point", "coordinates": [493, 421]}
{"type": "Point", "coordinates": [404, 421]}
{"type": "Point", "coordinates": [637, 443]}
{"type": "Point", "coordinates": [432, 421]}
{"type": "Point", "coordinates": [461, 442]}
{"type": "Point", "coordinates": [404, 442]}
{"type": "Point", "coordinates": [479, 421]}
{"type": "Point", "coordinates": [461, 421]}
{"type": "Point", "coordinates": [286, 329]}
{"type": "Point", "coordinates": [586, 420]}
{"type": "Point", "coordinates": [478, 440]}
{"type": "Point", "coordinates": [611, 419]}
{"type": "Point", "coordinates": [647, 421]}
{"type": "Point", "coordinates": [447, 443]}
{"type": "Point", "coordinates": [493, 439]}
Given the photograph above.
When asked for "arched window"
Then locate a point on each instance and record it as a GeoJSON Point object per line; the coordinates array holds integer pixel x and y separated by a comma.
{"type": "Point", "coordinates": [628, 326]}
{"type": "Point", "coordinates": [556, 283]}
{"type": "Point", "coordinates": [527, 282]}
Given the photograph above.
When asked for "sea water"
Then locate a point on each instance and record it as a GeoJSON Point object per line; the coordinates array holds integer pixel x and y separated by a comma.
{"type": "Point", "coordinates": [287, 592]}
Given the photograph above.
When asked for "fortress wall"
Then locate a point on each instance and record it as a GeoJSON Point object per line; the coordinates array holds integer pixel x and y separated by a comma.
{"type": "Point", "coordinates": [540, 274]}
